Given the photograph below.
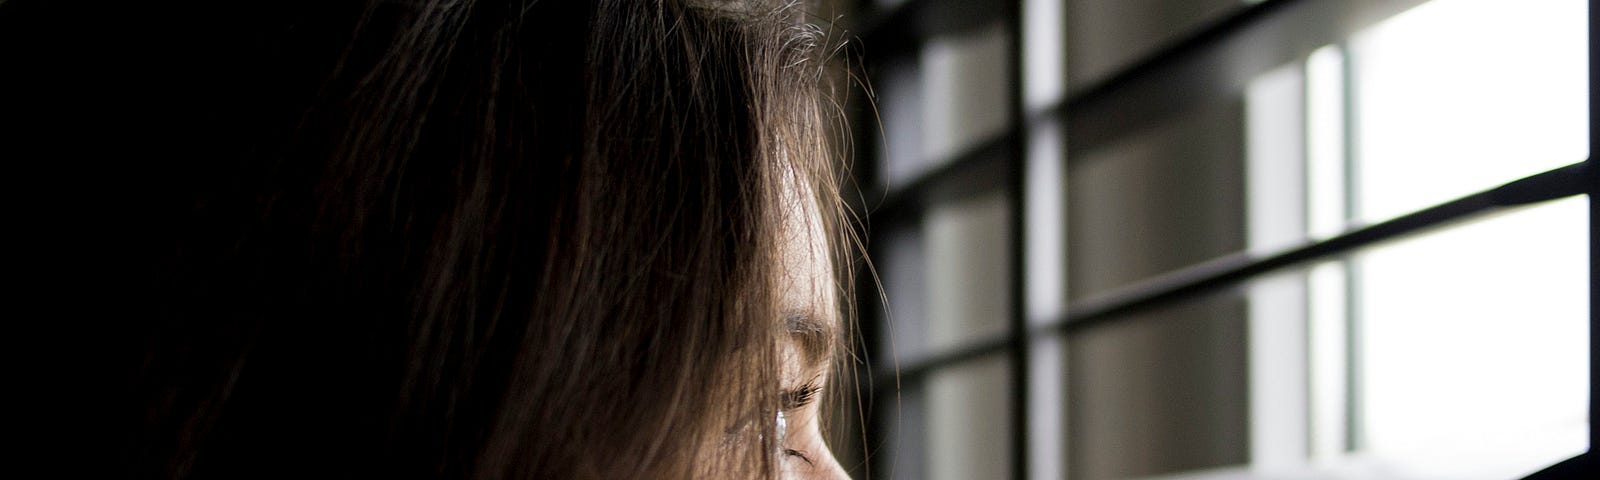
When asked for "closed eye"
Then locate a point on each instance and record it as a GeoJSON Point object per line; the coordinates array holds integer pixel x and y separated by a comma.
{"type": "Point", "coordinates": [796, 453]}
{"type": "Point", "coordinates": [797, 398]}
{"type": "Point", "coordinates": [793, 400]}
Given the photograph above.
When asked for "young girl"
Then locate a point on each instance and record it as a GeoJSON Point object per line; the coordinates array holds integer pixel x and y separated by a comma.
{"type": "Point", "coordinates": [436, 238]}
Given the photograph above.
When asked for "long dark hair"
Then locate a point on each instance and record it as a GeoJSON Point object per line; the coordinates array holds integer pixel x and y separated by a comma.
{"type": "Point", "coordinates": [420, 238]}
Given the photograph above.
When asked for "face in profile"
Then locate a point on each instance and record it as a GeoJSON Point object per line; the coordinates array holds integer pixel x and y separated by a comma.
{"type": "Point", "coordinates": [811, 318]}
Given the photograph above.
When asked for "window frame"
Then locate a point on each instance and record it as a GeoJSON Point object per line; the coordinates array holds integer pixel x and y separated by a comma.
{"type": "Point", "coordinates": [999, 162]}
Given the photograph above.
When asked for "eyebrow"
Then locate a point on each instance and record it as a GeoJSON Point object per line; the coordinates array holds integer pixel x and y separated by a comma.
{"type": "Point", "coordinates": [814, 337]}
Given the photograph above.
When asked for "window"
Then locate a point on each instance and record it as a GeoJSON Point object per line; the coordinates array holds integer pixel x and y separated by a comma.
{"type": "Point", "coordinates": [1228, 239]}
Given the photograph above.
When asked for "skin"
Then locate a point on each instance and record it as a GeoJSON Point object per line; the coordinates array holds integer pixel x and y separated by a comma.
{"type": "Point", "coordinates": [811, 318]}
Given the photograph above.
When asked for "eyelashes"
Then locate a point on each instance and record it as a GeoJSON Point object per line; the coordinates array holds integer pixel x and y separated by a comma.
{"type": "Point", "coordinates": [791, 400]}
{"type": "Point", "coordinates": [797, 398]}
{"type": "Point", "coordinates": [796, 453]}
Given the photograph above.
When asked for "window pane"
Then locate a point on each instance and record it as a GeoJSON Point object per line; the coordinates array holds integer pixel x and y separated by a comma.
{"type": "Point", "coordinates": [944, 99]}
{"type": "Point", "coordinates": [965, 89]}
{"type": "Point", "coordinates": [1458, 96]}
{"type": "Point", "coordinates": [1045, 187]}
{"type": "Point", "coordinates": [1043, 45]}
{"type": "Point", "coordinates": [947, 277]}
{"type": "Point", "coordinates": [969, 413]}
{"type": "Point", "coordinates": [900, 103]}
{"type": "Point", "coordinates": [1047, 422]}
{"type": "Point", "coordinates": [968, 276]}
{"type": "Point", "coordinates": [1167, 196]}
{"type": "Point", "coordinates": [903, 263]}
{"type": "Point", "coordinates": [1473, 345]}
{"type": "Point", "coordinates": [1105, 35]}
{"type": "Point", "coordinates": [1159, 391]}
{"type": "Point", "coordinates": [904, 457]}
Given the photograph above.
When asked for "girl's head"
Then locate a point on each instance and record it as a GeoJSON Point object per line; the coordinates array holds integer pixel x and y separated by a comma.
{"type": "Point", "coordinates": [549, 239]}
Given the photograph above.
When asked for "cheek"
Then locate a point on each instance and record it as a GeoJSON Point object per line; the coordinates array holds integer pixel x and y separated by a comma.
{"type": "Point", "coordinates": [808, 439]}
{"type": "Point", "coordinates": [806, 432]}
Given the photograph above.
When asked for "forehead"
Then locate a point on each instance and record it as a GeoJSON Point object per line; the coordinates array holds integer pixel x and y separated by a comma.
{"type": "Point", "coordinates": [812, 337]}
{"type": "Point", "coordinates": [809, 313]}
